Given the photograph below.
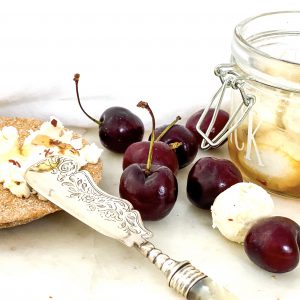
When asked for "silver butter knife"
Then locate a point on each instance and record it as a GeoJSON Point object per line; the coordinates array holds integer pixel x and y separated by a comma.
{"type": "Point", "coordinates": [59, 179]}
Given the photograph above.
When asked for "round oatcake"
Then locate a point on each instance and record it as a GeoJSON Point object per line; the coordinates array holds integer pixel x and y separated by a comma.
{"type": "Point", "coordinates": [16, 211]}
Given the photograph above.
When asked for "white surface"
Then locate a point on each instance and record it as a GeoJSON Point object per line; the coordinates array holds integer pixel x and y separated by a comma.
{"type": "Point", "coordinates": [60, 258]}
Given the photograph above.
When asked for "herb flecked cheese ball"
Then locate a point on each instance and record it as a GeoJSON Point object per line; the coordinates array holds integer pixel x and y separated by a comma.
{"type": "Point", "coordinates": [236, 209]}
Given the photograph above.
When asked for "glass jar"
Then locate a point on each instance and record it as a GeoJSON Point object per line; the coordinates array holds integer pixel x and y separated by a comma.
{"type": "Point", "coordinates": [266, 59]}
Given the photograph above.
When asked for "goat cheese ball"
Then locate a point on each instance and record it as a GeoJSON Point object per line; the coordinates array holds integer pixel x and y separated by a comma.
{"type": "Point", "coordinates": [236, 209]}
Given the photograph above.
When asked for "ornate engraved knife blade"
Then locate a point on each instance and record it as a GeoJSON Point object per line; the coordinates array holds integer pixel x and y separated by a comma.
{"type": "Point", "coordinates": [59, 179]}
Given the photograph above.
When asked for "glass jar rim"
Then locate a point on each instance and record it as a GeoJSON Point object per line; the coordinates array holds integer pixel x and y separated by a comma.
{"type": "Point", "coordinates": [238, 32]}
{"type": "Point", "coordinates": [244, 51]}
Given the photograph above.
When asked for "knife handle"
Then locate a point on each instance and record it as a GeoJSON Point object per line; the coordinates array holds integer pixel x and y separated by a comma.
{"type": "Point", "coordinates": [181, 276]}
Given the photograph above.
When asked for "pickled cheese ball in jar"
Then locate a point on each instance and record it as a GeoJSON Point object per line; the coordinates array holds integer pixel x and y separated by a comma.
{"type": "Point", "coordinates": [266, 62]}
{"type": "Point", "coordinates": [263, 80]}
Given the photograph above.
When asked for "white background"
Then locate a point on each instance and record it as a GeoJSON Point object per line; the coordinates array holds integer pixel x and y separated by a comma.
{"type": "Point", "coordinates": [163, 52]}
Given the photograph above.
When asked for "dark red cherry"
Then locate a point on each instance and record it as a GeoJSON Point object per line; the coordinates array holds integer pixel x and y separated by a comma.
{"type": "Point", "coordinates": [162, 155]}
{"type": "Point", "coordinates": [152, 189]}
{"type": "Point", "coordinates": [153, 193]}
{"type": "Point", "coordinates": [221, 120]}
{"type": "Point", "coordinates": [273, 244]}
{"type": "Point", "coordinates": [208, 178]}
{"type": "Point", "coordinates": [188, 150]}
{"type": "Point", "coordinates": [118, 126]}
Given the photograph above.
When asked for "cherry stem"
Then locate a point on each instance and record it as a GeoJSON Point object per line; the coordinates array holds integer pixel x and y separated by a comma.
{"type": "Point", "coordinates": [145, 105]}
{"type": "Point", "coordinates": [76, 79]}
{"type": "Point", "coordinates": [167, 128]}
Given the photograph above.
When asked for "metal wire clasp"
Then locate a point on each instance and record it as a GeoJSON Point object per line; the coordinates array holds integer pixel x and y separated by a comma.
{"type": "Point", "coordinates": [229, 79]}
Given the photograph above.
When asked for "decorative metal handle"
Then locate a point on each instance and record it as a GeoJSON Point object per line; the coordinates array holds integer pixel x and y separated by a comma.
{"type": "Point", "coordinates": [181, 276]}
{"type": "Point", "coordinates": [229, 79]}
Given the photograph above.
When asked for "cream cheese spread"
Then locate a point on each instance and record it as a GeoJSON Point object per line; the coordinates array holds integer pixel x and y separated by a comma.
{"type": "Point", "coordinates": [51, 139]}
